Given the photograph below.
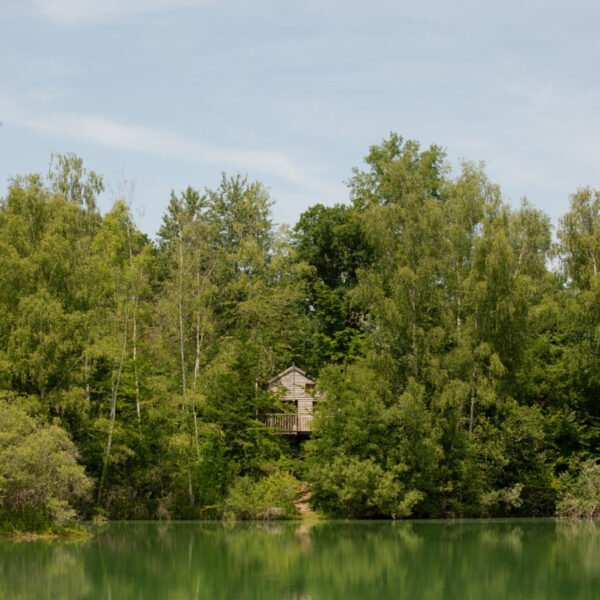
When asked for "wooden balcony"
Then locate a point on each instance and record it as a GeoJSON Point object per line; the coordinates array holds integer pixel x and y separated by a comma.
{"type": "Point", "coordinates": [290, 424]}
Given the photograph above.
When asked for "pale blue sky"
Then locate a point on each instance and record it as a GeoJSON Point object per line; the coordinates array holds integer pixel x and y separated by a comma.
{"type": "Point", "coordinates": [170, 93]}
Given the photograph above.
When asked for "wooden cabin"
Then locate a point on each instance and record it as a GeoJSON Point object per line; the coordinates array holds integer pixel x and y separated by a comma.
{"type": "Point", "coordinates": [297, 391]}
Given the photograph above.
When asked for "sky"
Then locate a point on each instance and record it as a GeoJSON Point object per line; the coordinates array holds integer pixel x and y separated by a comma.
{"type": "Point", "coordinates": [156, 95]}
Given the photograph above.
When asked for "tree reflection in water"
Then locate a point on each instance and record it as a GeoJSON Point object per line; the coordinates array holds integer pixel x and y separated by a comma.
{"type": "Point", "coordinates": [326, 560]}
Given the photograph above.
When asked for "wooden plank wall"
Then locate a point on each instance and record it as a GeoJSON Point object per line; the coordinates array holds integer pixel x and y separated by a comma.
{"type": "Point", "coordinates": [294, 385]}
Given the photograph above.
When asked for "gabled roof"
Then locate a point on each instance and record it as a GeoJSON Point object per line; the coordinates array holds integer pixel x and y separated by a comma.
{"type": "Point", "coordinates": [289, 370]}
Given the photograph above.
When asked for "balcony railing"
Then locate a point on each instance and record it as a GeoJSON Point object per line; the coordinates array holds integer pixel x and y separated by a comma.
{"type": "Point", "coordinates": [289, 424]}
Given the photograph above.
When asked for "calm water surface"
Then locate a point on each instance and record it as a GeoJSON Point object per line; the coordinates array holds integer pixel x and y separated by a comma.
{"type": "Point", "coordinates": [330, 560]}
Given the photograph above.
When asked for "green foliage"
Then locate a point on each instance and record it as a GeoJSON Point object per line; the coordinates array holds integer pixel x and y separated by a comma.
{"type": "Point", "coordinates": [460, 316]}
{"type": "Point", "coordinates": [580, 496]}
{"type": "Point", "coordinates": [271, 497]}
{"type": "Point", "coordinates": [372, 456]}
{"type": "Point", "coordinates": [333, 243]}
{"type": "Point", "coordinates": [457, 349]}
{"type": "Point", "coordinates": [40, 480]}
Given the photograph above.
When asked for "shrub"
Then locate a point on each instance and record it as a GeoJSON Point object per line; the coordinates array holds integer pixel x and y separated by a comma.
{"type": "Point", "coordinates": [39, 475]}
{"type": "Point", "coordinates": [358, 488]}
{"type": "Point", "coordinates": [580, 498]}
{"type": "Point", "coordinates": [269, 498]}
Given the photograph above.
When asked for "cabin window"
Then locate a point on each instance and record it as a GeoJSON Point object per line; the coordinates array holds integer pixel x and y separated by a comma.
{"type": "Point", "coordinates": [309, 387]}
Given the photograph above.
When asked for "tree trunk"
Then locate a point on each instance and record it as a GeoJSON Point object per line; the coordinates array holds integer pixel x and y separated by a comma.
{"type": "Point", "coordinates": [180, 314]}
{"type": "Point", "coordinates": [134, 300]}
{"type": "Point", "coordinates": [135, 364]}
{"type": "Point", "coordinates": [199, 338]}
{"type": "Point", "coordinates": [113, 406]}
{"type": "Point", "coordinates": [472, 407]}
{"type": "Point", "coordinates": [86, 375]}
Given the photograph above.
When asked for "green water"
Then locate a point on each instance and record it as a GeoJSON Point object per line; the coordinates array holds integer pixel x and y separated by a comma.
{"type": "Point", "coordinates": [330, 560]}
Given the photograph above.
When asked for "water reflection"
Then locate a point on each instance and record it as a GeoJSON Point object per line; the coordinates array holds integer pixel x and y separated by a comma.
{"type": "Point", "coordinates": [291, 561]}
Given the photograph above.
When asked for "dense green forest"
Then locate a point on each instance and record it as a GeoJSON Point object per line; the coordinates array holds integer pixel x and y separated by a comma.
{"type": "Point", "coordinates": [456, 342]}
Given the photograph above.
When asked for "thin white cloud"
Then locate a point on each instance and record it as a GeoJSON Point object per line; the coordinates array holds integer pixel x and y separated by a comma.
{"type": "Point", "coordinates": [68, 12]}
{"type": "Point", "coordinates": [157, 142]}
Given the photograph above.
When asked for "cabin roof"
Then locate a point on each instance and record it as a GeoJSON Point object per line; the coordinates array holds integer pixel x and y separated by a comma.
{"type": "Point", "coordinates": [291, 369]}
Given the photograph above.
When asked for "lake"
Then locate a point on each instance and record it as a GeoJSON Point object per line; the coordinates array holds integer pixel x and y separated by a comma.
{"type": "Point", "coordinates": [510, 559]}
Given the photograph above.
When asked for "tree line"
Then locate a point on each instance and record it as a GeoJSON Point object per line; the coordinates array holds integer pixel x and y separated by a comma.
{"type": "Point", "coordinates": [456, 343]}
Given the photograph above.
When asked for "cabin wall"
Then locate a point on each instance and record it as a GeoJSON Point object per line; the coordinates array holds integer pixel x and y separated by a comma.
{"type": "Point", "coordinates": [294, 384]}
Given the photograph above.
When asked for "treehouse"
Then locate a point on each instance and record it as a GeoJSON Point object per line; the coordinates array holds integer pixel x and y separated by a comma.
{"type": "Point", "coordinates": [298, 395]}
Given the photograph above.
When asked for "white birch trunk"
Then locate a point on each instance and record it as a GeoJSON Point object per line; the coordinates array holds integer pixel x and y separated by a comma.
{"type": "Point", "coordinates": [113, 405]}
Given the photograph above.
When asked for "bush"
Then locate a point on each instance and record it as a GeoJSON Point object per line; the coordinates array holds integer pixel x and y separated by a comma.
{"type": "Point", "coordinates": [580, 498]}
{"type": "Point", "coordinates": [269, 498]}
{"type": "Point", "coordinates": [39, 475]}
{"type": "Point", "coordinates": [361, 489]}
